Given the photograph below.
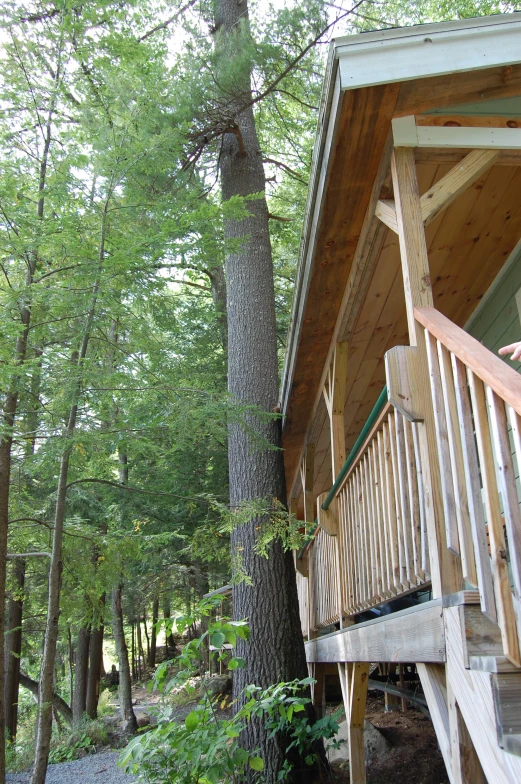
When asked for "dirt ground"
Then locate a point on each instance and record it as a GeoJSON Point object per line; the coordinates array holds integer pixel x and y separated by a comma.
{"type": "Point", "coordinates": [415, 757]}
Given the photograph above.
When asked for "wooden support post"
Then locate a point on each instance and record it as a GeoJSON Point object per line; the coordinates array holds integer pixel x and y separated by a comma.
{"type": "Point", "coordinates": [466, 767]}
{"type": "Point", "coordinates": [328, 518]}
{"type": "Point", "coordinates": [445, 566]}
{"type": "Point", "coordinates": [354, 682]}
{"type": "Point", "coordinates": [318, 695]}
{"type": "Point", "coordinates": [335, 395]}
{"type": "Point", "coordinates": [392, 702]}
{"type": "Point", "coordinates": [307, 475]}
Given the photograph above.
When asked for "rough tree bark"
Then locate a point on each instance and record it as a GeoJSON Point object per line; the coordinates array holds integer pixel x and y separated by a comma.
{"type": "Point", "coordinates": [276, 650]}
{"type": "Point", "coordinates": [9, 411]}
{"type": "Point", "coordinates": [95, 664]}
{"type": "Point", "coordinates": [140, 654]}
{"type": "Point", "coordinates": [125, 686]}
{"type": "Point", "coordinates": [153, 640]}
{"type": "Point", "coordinates": [79, 700]}
{"type": "Point", "coordinates": [169, 638]}
{"type": "Point", "coordinates": [13, 650]}
{"type": "Point", "coordinates": [44, 719]}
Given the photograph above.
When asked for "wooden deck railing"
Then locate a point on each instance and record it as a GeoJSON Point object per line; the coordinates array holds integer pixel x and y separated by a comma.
{"type": "Point", "coordinates": [382, 537]}
{"type": "Point", "coordinates": [477, 407]}
{"type": "Point", "coordinates": [380, 551]}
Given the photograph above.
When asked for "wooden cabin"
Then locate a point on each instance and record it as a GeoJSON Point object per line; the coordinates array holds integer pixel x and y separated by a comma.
{"type": "Point", "coordinates": [402, 429]}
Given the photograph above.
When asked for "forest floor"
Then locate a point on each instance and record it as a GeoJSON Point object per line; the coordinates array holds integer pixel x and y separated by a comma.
{"type": "Point", "coordinates": [414, 756]}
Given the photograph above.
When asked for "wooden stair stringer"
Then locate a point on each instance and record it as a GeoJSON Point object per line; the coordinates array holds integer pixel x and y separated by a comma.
{"type": "Point", "coordinates": [474, 692]}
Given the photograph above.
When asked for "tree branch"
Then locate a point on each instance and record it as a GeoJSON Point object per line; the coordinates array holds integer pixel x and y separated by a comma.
{"type": "Point", "coordinates": [168, 22]}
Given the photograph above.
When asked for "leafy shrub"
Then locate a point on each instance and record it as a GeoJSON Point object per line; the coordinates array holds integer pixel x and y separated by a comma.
{"type": "Point", "coordinates": [206, 749]}
{"type": "Point", "coordinates": [74, 741]}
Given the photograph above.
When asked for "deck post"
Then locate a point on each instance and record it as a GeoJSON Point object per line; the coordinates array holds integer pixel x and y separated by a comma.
{"type": "Point", "coordinates": [307, 475]}
{"type": "Point", "coordinates": [445, 567]}
{"type": "Point", "coordinates": [354, 679]}
{"type": "Point", "coordinates": [466, 767]}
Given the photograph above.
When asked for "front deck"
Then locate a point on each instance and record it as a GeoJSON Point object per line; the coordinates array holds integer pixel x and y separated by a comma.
{"type": "Point", "coordinates": [410, 495]}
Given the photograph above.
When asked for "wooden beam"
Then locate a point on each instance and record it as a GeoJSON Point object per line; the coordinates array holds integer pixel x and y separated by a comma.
{"type": "Point", "coordinates": [412, 635]}
{"type": "Point", "coordinates": [446, 190]}
{"type": "Point", "coordinates": [334, 392]}
{"type": "Point", "coordinates": [302, 564]}
{"type": "Point", "coordinates": [466, 767]}
{"type": "Point", "coordinates": [357, 677]}
{"type": "Point", "coordinates": [407, 134]}
{"type": "Point", "coordinates": [402, 374]}
{"type": "Point", "coordinates": [444, 566]}
{"type": "Point", "coordinates": [469, 121]}
{"type": "Point", "coordinates": [433, 680]}
{"type": "Point", "coordinates": [328, 518]}
{"type": "Point", "coordinates": [474, 693]}
{"type": "Point", "coordinates": [442, 156]}
{"type": "Point", "coordinates": [307, 475]}
{"type": "Point", "coordinates": [386, 211]}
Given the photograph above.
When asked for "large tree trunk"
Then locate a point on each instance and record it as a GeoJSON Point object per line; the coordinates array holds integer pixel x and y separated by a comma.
{"type": "Point", "coordinates": [125, 685]}
{"type": "Point", "coordinates": [9, 414]}
{"type": "Point", "coordinates": [153, 640]}
{"type": "Point", "coordinates": [140, 654]}
{"type": "Point", "coordinates": [44, 719]}
{"type": "Point", "coordinates": [79, 701]}
{"type": "Point", "coordinates": [276, 649]}
{"type": "Point", "coordinates": [13, 650]}
{"type": "Point", "coordinates": [169, 638]}
{"type": "Point", "coordinates": [95, 664]}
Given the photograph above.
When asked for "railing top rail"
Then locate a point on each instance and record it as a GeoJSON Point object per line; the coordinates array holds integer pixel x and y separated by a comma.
{"type": "Point", "coordinates": [501, 378]}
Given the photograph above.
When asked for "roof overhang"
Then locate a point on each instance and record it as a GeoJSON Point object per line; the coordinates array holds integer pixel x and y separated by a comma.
{"type": "Point", "coordinates": [358, 65]}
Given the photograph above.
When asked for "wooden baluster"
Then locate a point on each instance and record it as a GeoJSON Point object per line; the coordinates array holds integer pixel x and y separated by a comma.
{"type": "Point", "coordinates": [403, 582]}
{"type": "Point", "coordinates": [385, 512]}
{"type": "Point", "coordinates": [504, 603]}
{"type": "Point", "coordinates": [507, 484]}
{"type": "Point", "coordinates": [382, 583]}
{"type": "Point", "coordinates": [442, 440]}
{"type": "Point", "coordinates": [474, 500]}
{"type": "Point", "coordinates": [355, 516]}
{"type": "Point", "coordinates": [352, 550]}
{"type": "Point", "coordinates": [368, 484]}
{"type": "Point", "coordinates": [391, 507]}
{"type": "Point", "coordinates": [414, 503]}
{"type": "Point", "coordinates": [423, 520]}
{"type": "Point", "coordinates": [468, 562]}
{"type": "Point", "coordinates": [364, 549]}
{"type": "Point", "coordinates": [403, 495]}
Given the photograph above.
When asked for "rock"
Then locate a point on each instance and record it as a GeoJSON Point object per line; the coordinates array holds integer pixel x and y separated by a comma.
{"type": "Point", "coordinates": [219, 684]}
{"type": "Point", "coordinates": [143, 720]}
{"type": "Point", "coordinates": [375, 744]}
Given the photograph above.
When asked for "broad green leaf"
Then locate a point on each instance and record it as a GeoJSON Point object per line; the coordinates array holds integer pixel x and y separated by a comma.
{"type": "Point", "coordinates": [217, 639]}
{"type": "Point", "coordinates": [256, 763]}
{"type": "Point", "coordinates": [192, 721]}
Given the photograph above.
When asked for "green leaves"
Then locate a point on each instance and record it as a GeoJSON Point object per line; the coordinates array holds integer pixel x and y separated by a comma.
{"type": "Point", "coordinates": [192, 721]}
{"type": "Point", "coordinates": [217, 639]}
{"type": "Point", "coordinates": [256, 763]}
{"type": "Point", "coordinates": [236, 662]}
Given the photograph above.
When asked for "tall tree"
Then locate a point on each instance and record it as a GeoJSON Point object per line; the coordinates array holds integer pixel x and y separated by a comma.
{"type": "Point", "coordinates": [276, 649]}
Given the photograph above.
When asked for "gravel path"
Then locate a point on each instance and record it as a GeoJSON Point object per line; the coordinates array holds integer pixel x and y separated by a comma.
{"type": "Point", "coordinates": [92, 769]}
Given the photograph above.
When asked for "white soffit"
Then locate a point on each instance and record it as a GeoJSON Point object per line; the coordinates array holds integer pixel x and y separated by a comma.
{"type": "Point", "coordinates": [400, 54]}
